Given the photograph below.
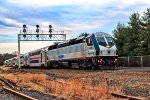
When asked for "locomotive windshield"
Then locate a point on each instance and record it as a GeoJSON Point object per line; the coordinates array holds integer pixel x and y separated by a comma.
{"type": "Point", "coordinates": [110, 41]}
{"type": "Point", "coordinates": [101, 41]}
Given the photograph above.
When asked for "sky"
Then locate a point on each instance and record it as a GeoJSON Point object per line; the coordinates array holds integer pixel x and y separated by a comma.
{"type": "Point", "coordinates": [72, 16]}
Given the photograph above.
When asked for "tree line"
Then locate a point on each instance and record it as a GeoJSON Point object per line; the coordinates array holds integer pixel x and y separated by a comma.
{"type": "Point", "coordinates": [4, 57]}
{"type": "Point", "coordinates": [133, 38]}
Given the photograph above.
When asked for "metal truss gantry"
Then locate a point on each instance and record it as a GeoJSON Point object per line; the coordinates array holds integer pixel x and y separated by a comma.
{"type": "Point", "coordinates": [42, 37]}
{"type": "Point", "coordinates": [54, 36]}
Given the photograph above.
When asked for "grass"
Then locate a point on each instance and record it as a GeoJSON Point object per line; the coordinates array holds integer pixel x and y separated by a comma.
{"type": "Point", "coordinates": [77, 88]}
{"type": "Point", "coordinates": [68, 88]}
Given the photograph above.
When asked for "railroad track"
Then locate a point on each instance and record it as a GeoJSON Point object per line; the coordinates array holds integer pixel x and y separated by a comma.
{"type": "Point", "coordinates": [7, 83]}
{"type": "Point", "coordinates": [18, 94]}
{"type": "Point", "coordinates": [122, 96]}
{"type": "Point", "coordinates": [12, 90]}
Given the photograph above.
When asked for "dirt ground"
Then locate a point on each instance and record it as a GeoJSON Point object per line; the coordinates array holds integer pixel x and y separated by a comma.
{"type": "Point", "coordinates": [82, 83]}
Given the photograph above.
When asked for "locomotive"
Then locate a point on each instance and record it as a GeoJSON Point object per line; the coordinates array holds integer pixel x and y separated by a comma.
{"type": "Point", "coordinates": [87, 51]}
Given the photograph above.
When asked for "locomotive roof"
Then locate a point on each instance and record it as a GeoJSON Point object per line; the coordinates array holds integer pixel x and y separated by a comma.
{"type": "Point", "coordinates": [79, 39]}
{"type": "Point", "coordinates": [102, 33]}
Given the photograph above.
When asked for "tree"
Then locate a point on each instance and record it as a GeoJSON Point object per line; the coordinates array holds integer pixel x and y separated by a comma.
{"type": "Point", "coordinates": [5, 57]}
{"type": "Point", "coordinates": [120, 35]}
{"type": "Point", "coordinates": [146, 31]}
{"type": "Point", "coordinates": [135, 38]}
{"type": "Point", "coordinates": [129, 38]}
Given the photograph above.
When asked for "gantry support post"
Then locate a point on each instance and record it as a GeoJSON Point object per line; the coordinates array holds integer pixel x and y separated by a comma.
{"type": "Point", "coordinates": [39, 37]}
{"type": "Point", "coordinates": [19, 51]}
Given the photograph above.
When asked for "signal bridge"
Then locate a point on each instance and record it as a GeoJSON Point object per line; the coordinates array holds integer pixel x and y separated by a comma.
{"type": "Point", "coordinates": [39, 35]}
{"type": "Point", "coordinates": [43, 36]}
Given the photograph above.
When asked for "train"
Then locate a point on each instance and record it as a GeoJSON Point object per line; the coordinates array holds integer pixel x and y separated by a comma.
{"type": "Point", "coordinates": [86, 51]}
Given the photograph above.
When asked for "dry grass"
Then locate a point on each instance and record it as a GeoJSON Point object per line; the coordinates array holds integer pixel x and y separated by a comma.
{"type": "Point", "coordinates": [86, 89]}
{"type": "Point", "coordinates": [25, 78]}
{"type": "Point", "coordinates": [73, 88]}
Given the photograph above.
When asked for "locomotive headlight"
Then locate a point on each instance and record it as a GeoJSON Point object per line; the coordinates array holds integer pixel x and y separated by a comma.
{"type": "Point", "coordinates": [108, 46]}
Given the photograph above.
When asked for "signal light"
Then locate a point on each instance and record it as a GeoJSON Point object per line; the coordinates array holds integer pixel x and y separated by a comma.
{"type": "Point", "coordinates": [50, 31]}
{"type": "Point", "coordinates": [50, 28]}
{"type": "Point", "coordinates": [37, 28]}
{"type": "Point", "coordinates": [24, 28]}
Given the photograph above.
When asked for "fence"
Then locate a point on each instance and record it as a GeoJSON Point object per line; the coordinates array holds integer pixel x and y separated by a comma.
{"type": "Point", "coordinates": [134, 61]}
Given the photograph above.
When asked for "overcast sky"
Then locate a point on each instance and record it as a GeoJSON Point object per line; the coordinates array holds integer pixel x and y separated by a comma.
{"type": "Point", "coordinates": [72, 16]}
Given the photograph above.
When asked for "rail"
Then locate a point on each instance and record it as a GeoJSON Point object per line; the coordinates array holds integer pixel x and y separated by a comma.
{"type": "Point", "coordinates": [18, 94]}
{"type": "Point", "coordinates": [13, 91]}
{"type": "Point", "coordinates": [125, 96]}
{"type": "Point", "coordinates": [7, 83]}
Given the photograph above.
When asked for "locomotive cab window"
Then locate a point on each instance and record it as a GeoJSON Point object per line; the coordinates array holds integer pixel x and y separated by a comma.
{"type": "Point", "coordinates": [110, 41]}
{"type": "Point", "coordinates": [88, 41]}
{"type": "Point", "coordinates": [101, 41]}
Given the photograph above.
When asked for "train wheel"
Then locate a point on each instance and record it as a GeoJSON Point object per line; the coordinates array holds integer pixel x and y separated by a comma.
{"type": "Point", "coordinates": [42, 66]}
{"type": "Point", "coordinates": [90, 64]}
{"type": "Point", "coordinates": [55, 65]}
{"type": "Point", "coordinates": [83, 66]}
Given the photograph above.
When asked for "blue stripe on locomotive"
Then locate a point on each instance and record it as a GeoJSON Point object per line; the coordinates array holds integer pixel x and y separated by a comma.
{"type": "Point", "coordinates": [61, 56]}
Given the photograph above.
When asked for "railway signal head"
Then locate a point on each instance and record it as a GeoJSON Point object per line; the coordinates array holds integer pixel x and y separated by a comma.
{"type": "Point", "coordinates": [24, 30]}
{"type": "Point", "coordinates": [24, 26]}
{"type": "Point", "coordinates": [37, 28]}
{"type": "Point", "coordinates": [50, 28]}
